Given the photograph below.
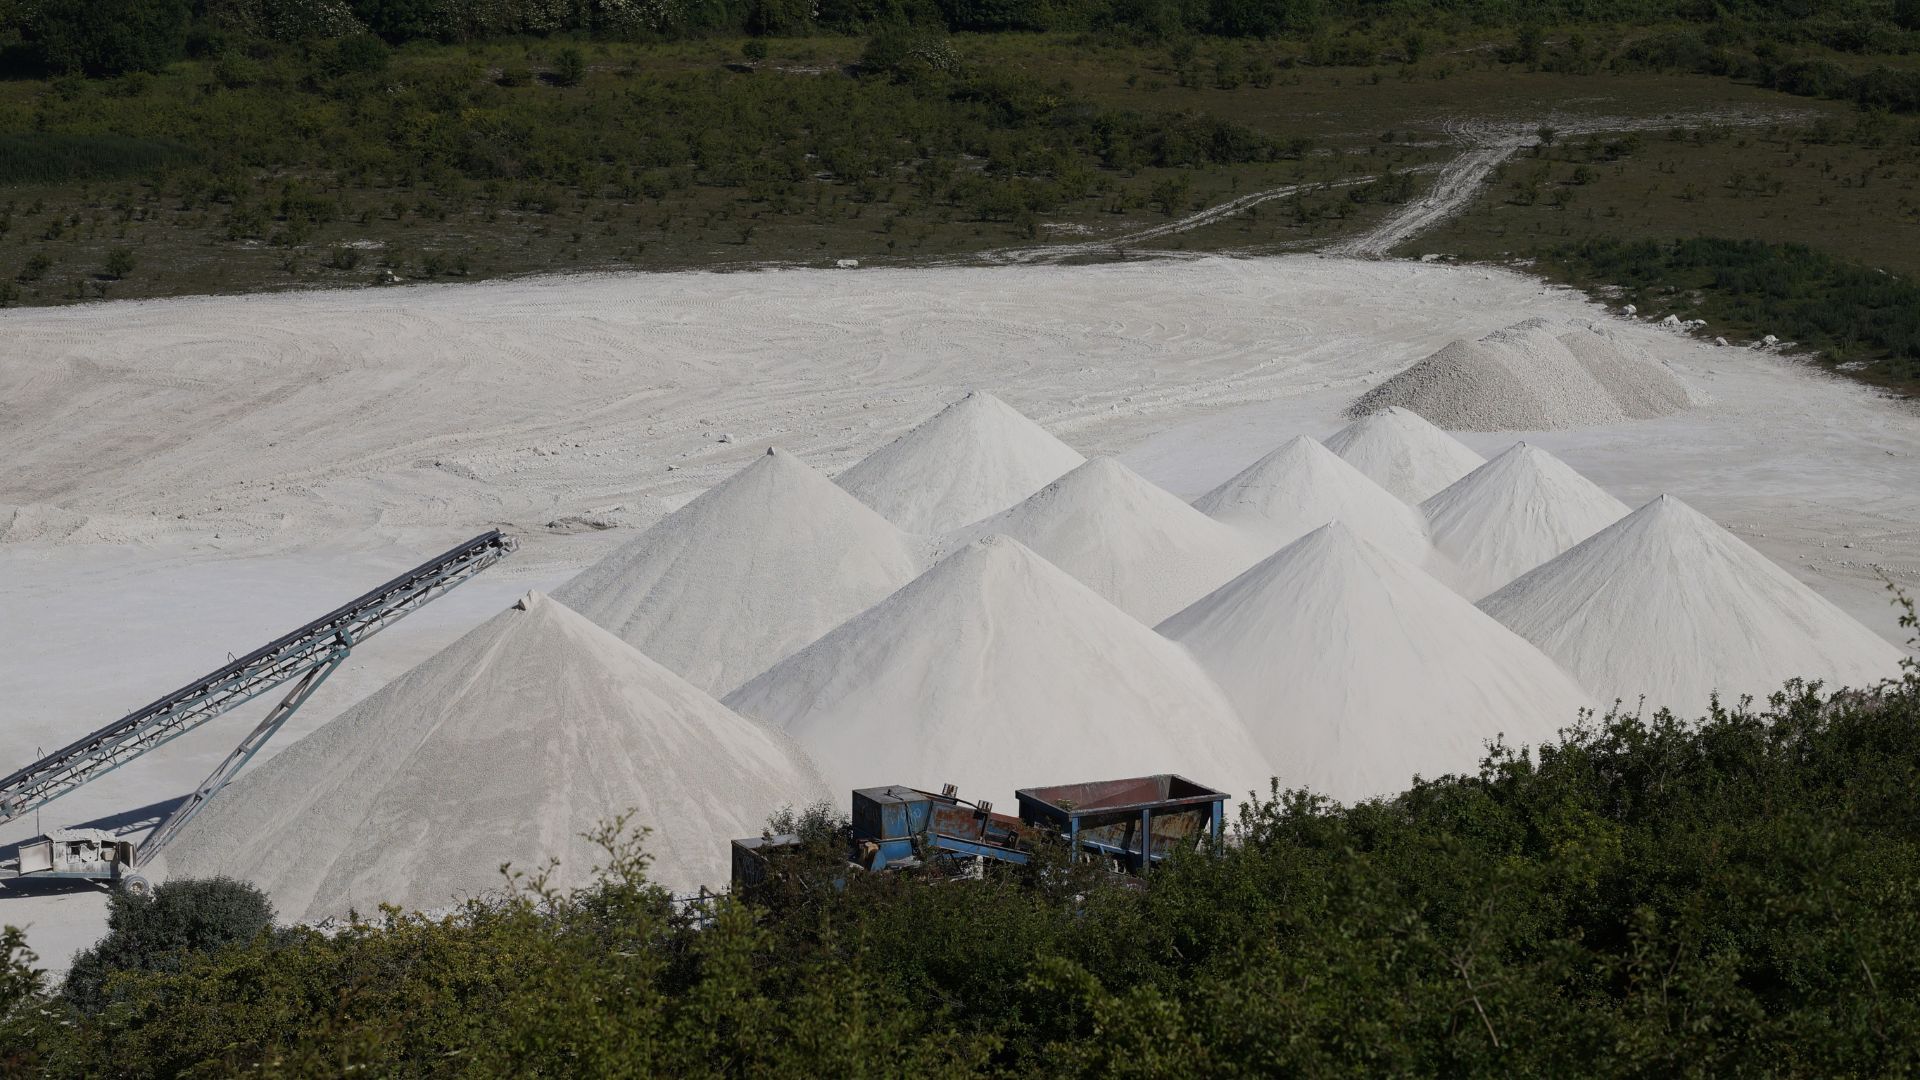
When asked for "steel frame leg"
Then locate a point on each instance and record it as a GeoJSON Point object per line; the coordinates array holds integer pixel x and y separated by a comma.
{"type": "Point", "coordinates": [302, 689]}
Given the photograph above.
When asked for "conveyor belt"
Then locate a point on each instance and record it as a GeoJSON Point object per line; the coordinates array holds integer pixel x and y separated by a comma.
{"type": "Point", "coordinates": [318, 643]}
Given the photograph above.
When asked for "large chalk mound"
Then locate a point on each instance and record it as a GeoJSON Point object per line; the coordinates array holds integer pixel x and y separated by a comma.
{"type": "Point", "coordinates": [1397, 449]}
{"type": "Point", "coordinates": [995, 670]}
{"type": "Point", "coordinates": [1302, 486]}
{"type": "Point", "coordinates": [1129, 540]}
{"type": "Point", "coordinates": [1644, 387]}
{"type": "Point", "coordinates": [976, 457]}
{"type": "Point", "coordinates": [1525, 378]}
{"type": "Point", "coordinates": [1356, 670]}
{"type": "Point", "coordinates": [747, 573]}
{"type": "Point", "coordinates": [1668, 604]}
{"type": "Point", "coordinates": [1512, 514]}
{"type": "Point", "coordinates": [506, 746]}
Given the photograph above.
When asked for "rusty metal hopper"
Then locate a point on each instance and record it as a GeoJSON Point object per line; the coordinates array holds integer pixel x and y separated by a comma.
{"type": "Point", "coordinates": [1136, 821]}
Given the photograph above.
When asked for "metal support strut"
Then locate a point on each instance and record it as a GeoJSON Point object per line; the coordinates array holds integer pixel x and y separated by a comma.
{"type": "Point", "coordinates": [302, 689]}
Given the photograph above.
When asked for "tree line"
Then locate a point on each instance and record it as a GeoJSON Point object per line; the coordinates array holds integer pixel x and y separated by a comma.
{"type": "Point", "coordinates": [111, 37]}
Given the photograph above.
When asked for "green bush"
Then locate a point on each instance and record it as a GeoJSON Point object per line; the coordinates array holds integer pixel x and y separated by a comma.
{"type": "Point", "coordinates": [360, 54]}
{"type": "Point", "coordinates": [569, 67]}
{"type": "Point", "coordinates": [1644, 896]}
{"type": "Point", "coordinates": [1846, 311]}
{"type": "Point", "coordinates": [46, 158]}
{"type": "Point", "coordinates": [109, 37]}
{"type": "Point", "coordinates": [166, 932]}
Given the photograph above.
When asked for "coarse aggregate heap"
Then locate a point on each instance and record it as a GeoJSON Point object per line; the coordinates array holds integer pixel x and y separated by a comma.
{"type": "Point", "coordinates": [1526, 378]}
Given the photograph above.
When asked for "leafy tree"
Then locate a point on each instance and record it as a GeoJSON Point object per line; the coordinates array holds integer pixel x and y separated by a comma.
{"type": "Point", "coordinates": [360, 54]}
{"type": "Point", "coordinates": [109, 37]}
{"type": "Point", "coordinates": [165, 931]}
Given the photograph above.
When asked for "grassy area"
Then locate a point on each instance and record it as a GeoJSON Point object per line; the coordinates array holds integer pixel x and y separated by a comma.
{"type": "Point", "coordinates": [346, 163]}
{"type": "Point", "coordinates": [1843, 187]}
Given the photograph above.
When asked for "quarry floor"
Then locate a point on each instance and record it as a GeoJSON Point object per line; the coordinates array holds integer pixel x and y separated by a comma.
{"type": "Point", "coordinates": [202, 475]}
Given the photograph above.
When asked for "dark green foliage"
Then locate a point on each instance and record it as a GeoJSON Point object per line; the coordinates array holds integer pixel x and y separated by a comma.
{"type": "Point", "coordinates": [47, 158]}
{"type": "Point", "coordinates": [119, 263]}
{"type": "Point", "coordinates": [166, 932]}
{"type": "Point", "coordinates": [360, 54]}
{"type": "Point", "coordinates": [1733, 896]}
{"type": "Point", "coordinates": [569, 67]}
{"type": "Point", "coordinates": [1850, 313]}
{"type": "Point", "coordinates": [109, 37]}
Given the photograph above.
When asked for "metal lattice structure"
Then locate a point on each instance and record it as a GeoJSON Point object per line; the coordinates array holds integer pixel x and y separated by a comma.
{"type": "Point", "coordinates": [308, 654]}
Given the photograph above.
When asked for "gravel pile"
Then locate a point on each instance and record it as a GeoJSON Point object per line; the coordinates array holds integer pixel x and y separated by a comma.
{"type": "Point", "coordinates": [1526, 377]}
{"type": "Point", "coordinates": [1644, 387]}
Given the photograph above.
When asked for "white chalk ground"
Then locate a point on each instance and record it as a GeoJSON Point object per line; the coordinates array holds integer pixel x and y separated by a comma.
{"type": "Point", "coordinates": [316, 443]}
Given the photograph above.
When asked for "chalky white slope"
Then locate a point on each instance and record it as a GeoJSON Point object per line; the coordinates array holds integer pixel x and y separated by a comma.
{"type": "Point", "coordinates": [1129, 540]}
{"type": "Point", "coordinates": [1397, 449]}
{"type": "Point", "coordinates": [1524, 378]}
{"type": "Point", "coordinates": [745, 574]}
{"type": "Point", "coordinates": [1668, 604]}
{"type": "Point", "coordinates": [995, 670]}
{"type": "Point", "coordinates": [507, 746]}
{"type": "Point", "coordinates": [1356, 670]}
{"type": "Point", "coordinates": [1512, 514]}
{"type": "Point", "coordinates": [976, 457]}
{"type": "Point", "coordinates": [1302, 486]}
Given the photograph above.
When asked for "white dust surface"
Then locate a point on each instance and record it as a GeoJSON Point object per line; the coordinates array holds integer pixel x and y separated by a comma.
{"type": "Point", "coordinates": [1512, 514]}
{"type": "Point", "coordinates": [1132, 542]}
{"type": "Point", "coordinates": [975, 457]}
{"type": "Point", "coordinates": [995, 670]}
{"type": "Point", "coordinates": [739, 578]}
{"type": "Point", "coordinates": [1356, 670]}
{"type": "Point", "coordinates": [204, 474]}
{"type": "Point", "coordinates": [1399, 450]}
{"type": "Point", "coordinates": [509, 746]}
{"type": "Point", "coordinates": [1524, 377]}
{"type": "Point", "coordinates": [1665, 603]}
{"type": "Point", "coordinates": [1302, 486]}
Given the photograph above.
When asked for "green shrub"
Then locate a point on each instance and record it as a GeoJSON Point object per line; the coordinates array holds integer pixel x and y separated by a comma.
{"type": "Point", "coordinates": [166, 932]}
{"type": "Point", "coordinates": [110, 37]}
{"type": "Point", "coordinates": [569, 67]}
{"type": "Point", "coordinates": [47, 158]}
